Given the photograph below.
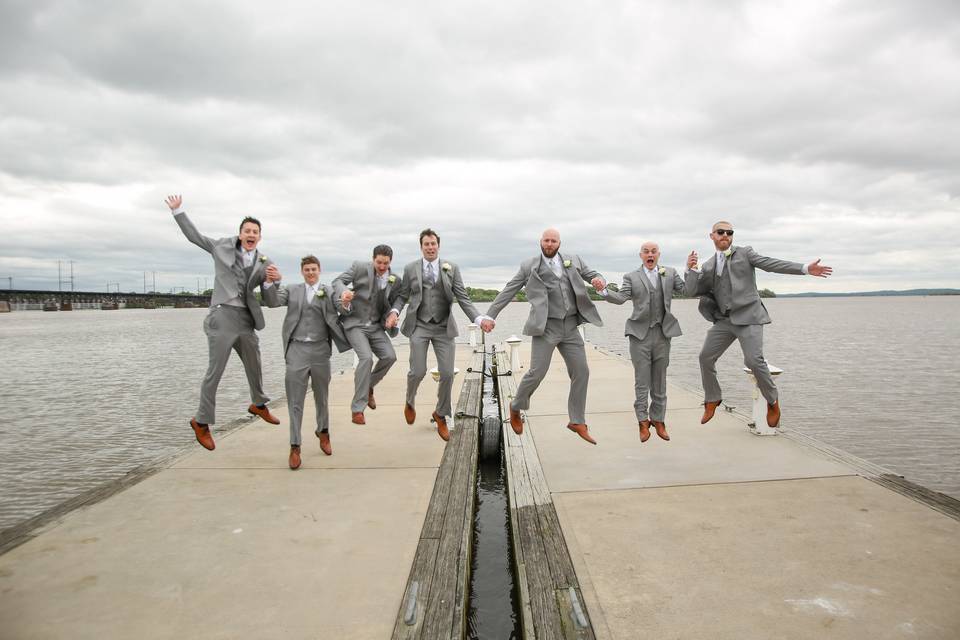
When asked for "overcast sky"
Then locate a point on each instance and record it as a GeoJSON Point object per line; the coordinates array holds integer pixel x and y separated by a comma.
{"type": "Point", "coordinates": [819, 129]}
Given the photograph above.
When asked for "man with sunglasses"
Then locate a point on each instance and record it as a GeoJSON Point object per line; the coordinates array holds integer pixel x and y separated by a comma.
{"type": "Point", "coordinates": [727, 288]}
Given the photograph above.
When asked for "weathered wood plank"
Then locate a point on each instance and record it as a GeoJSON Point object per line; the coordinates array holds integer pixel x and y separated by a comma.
{"type": "Point", "coordinates": [461, 605]}
{"type": "Point", "coordinates": [543, 603]}
{"type": "Point", "coordinates": [569, 620]}
{"type": "Point", "coordinates": [421, 574]}
{"type": "Point", "coordinates": [555, 548]}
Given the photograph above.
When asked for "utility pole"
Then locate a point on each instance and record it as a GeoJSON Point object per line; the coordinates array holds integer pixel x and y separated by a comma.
{"type": "Point", "coordinates": [59, 275]}
{"type": "Point", "coordinates": [198, 286]}
{"type": "Point", "coordinates": [71, 275]}
{"type": "Point", "coordinates": [144, 283]}
{"type": "Point", "coordinates": [10, 278]}
{"type": "Point", "coordinates": [154, 281]}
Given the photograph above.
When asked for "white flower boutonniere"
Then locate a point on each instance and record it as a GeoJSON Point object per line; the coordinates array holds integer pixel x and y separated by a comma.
{"type": "Point", "coordinates": [263, 258]}
{"type": "Point", "coordinates": [321, 294]}
{"type": "Point", "coordinates": [728, 253]}
{"type": "Point", "coordinates": [446, 266]}
{"type": "Point", "coordinates": [567, 264]}
{"type": "Point", "coordinates": [391, 278]}
{"type": "Point", "coordinates": [662, 271]}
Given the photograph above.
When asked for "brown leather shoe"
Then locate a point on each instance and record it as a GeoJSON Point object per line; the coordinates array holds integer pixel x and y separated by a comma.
{"type": "Point", "coordinates": [202, 432]}
{"type": "Point", "coordinates": [661, 430]}
{"type": "Point", "coordinates": [409, 413]}
{"type": "Point", "coordinates": [582, 431]}
{"type": "Point", "coordinates": [370, 401]}
{"type": "Point", "coordinates": [773, 414]}
{"type": "Point", "coordinates": [442, 430]}
{"type": "Point", "coordinates": [264, 414]}
{"type": "Point", "coordinates": [644, 430]}
{"type": "Point", "coordinates": [709, 408]}
{"type": "Point", "coordinates": [358, 418]}
{"type": "Point", "coordinates": [516, 421]}
{"type": "Point", "coordinates": [325, 442]}
{"type": "Point", "coordinates": [294, 456]}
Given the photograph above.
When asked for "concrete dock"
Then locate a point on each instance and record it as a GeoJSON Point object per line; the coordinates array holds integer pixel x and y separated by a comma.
{"type": "Point", "coordinates": [715, 534]}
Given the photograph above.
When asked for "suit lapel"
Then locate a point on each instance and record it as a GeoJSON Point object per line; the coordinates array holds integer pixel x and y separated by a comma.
{"type": "Point", "coordinates": [445, 277]}
{"type": "Point", "coordinates": [645, 280]}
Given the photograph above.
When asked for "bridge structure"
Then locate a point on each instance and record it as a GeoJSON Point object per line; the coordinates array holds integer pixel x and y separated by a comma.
{"type": "Point", "coordinates": [30, 299]}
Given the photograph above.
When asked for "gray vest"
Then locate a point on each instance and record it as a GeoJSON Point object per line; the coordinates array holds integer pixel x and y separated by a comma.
{"type": "Point", "coordinates": [312, 326]}
{"type": "Point", "coordinates": [657, 305]}
{"type": "Point", "coordinates": [723, 290]}
{"type": "Point", "coordinates": [378, 302]}
{"type": "Point", "coordinates": [243, 275]}
{"type": "Point", "coordinates": [562, 301]}
{"type": "Point", "coordinates": [434, 306]}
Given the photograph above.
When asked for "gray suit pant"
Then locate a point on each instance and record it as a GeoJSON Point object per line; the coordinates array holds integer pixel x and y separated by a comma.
{"type": "Point", "coordinates": [367, 341]}
{"type": "Point", "coordinates": [307, 360]}
{"type": "Point", "coordinates": [719, 337]}
{"type": "Point", "coordinates": [229, 328]}
{"type": "Point", "coordinates": [445, 349]}
{"type": "Point", "coordinates": [650, 358]}
{"type": "Point", "coordinates": [563, 336]}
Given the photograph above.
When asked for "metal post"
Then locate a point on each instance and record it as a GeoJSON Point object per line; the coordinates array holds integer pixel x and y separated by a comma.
{"type": "Point", "coordinates": [472, 330]}
{"type": "Point", "coordinates": [759, 425]}
{"type": "Point", "coordinates": [59, 275]}
{"type": "Point", "coordinates": [514, 343]}
{"type": "Point", "coordinates": [71, 275]}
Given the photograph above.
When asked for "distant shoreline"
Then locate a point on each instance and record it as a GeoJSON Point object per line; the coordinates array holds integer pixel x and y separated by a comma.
{"type": "Point", "coordinates": [884, 292]}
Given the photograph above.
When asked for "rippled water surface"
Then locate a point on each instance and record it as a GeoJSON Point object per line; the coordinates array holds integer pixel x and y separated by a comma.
{"type": "Point", "coordinates": [94, 394]}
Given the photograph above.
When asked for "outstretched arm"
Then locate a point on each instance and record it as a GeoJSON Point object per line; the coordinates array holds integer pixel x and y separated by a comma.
{"type": "Point", "coordinates": [619, 297]}
{"type": "Point", "coordinates": [592, 276]}
{"type": "Point", "coordinates": [186, 226]}
{"type": "Point", "coordinates": [506, 295]}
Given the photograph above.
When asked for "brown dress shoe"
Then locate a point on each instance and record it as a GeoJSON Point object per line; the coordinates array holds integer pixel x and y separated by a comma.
{"type": "Point", "coordinates": [358, 418]}
{"type": "Point", "coordinates": [202, 432]}
{"type": "Point", "coordinates": [582, 431]}
{"type": "Point", "coordinates": [709, 408]}
{"type": "Point", "coordinates": [370, 401]}
{"type": "Point", "coordinates": [409, 413]}
{"type": "Point", "coordinates": [516, 421]}
{"type": "Point", "coordinates": [644, 430]}
{"type": "Point", "coordinates": [773, 414]}
{"type": "Point", "coordinates": [442, 430]}
{"type": "Point", "coordinates": [264, 414]}
{"type": "Point", "coordinates": [661, 430]}
{"type": "Point", "coordinates": [325, 442]}
{"type": "Point", "coordinates": [294, 456]}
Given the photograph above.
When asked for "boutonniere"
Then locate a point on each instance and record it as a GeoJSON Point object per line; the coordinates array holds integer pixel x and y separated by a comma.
{"type": "Point", "coordinates": [263, 258]}
{"type": "Point", "coordinates": [391, 278]}
{"type": "Point", "coordinates": [728, 253]}
{"type": "Point", "coordinates": [321, 294]}
{"type": "Point", "coordinates": [567, 264]}
{"type": "Point", "coordinates": [662, 271]}
{"type": "Point", "coordinates": [446, 266]}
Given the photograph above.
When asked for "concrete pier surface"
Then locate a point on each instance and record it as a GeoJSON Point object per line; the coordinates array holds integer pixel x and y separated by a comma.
{"type": "Point", "coordinates": [721, 534]}
{"type": "Point", "coordinates": [233, 544]}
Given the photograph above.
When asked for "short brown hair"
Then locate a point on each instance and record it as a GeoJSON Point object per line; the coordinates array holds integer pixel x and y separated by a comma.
{"type": "Point", "coordinates": [309, 260]}
{"type": "Point", "coordinates": [714, 227]}
{"type": "Point", "coordinates": [428, 232]}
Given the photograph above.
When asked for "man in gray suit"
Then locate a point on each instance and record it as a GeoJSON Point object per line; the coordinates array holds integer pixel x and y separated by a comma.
{"type": "Point", "coordinates": [309, 327]}
{"type": "Point", "coordinates": [431, 287]}
{"type": "Point", "coordinates": [365, 314]}
{"type": "Point", "coordinates": [727, 287]}
{"type": "Point", "coordinates": [234, 314]}
{"type": "Point", "coordinates": [649, 330]}
{"type": "Point", "coordinates": [559, 303]}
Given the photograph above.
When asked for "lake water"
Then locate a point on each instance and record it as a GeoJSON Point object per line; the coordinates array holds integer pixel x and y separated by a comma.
{"type": "Point", "coordinates": [93, 394]}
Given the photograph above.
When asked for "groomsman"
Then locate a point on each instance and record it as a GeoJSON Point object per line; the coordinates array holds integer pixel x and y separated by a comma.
{"type": "Point", "coordinates": [727, 287]}
{"type": "Point", "coordinates": [649, 330]}
{"type": "Point", "coordinates": [559, 303]}
{"type": "Point", "coordinates": [234, 314]}
{"type": "Point", "coordinates": [431, 286]}
{"type": "Point", "coordinates": [366, 317]}
{"type": "Point", "coordinates": [309, 327]}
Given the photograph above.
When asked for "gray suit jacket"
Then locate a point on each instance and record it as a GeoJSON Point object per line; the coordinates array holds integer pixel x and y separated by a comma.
{"type": "Point", "coordinates": [361, 276]}
{"type": "Point", "coordinates": [412, 293]}
{"type": "Point", "coordinates": [529, 279]}
{"type": "Point", "coordinates": [746, 306]}
{"type": "Point", "coordinates": [224, 252]}
{"type": "Point", "coordinates": [637, 287]}
{"type": "Point", "coordinates": [293, 298]}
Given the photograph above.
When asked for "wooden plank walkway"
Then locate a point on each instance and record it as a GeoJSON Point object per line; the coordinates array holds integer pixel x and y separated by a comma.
{"type": "Point", "coordinates": [552, 604]}
{"type": "Point", "coordinates": [434, 603]}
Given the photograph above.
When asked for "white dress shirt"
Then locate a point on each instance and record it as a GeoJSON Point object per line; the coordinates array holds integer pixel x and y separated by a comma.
{"type": "Point", "coordinates": [653, 275]}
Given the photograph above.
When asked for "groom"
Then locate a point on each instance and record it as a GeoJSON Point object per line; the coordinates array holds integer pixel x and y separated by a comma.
{"type": "Point", "coordinates": [727, 288]}
{"type": "Point", "coordinates": [559, 303]}
{"type": "Point", "coordinates": [234, 314]}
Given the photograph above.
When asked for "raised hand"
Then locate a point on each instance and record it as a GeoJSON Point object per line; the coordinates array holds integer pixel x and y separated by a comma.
{"type": "Point", "coordinates": [692, 260]}
{"type": "Point", "coordinates": [819, 270]}
{"type": "Point", "coordinates": [487, 325]}
{"type": "Point", "coordinates": [598, 284]}
{"type": "Point", "coordinates": [273, 274]}
{"type": "Point", "coordinates": [174, 202]}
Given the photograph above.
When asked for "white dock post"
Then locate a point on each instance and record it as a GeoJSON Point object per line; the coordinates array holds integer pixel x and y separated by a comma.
{"type": "Point", "coordinates": [759, 425]}
{"type": "Point", "coordinates": [435, 373]}
{"type": "Point", "coordinates": [472, 330]}
{"type": "Point", "coordinates": [514, 343]}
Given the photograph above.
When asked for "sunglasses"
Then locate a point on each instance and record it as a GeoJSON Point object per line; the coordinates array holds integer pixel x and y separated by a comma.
{"type": "Point", "coordinates": [721, 232]}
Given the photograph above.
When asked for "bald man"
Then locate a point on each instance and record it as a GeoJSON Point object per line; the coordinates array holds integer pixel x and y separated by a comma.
{"type": "Point", "coordinates": [554, 284]}
{"type": "Point", "coordinates": [649, 330]}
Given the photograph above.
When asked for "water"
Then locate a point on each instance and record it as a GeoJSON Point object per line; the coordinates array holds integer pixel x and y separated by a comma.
{"type": "Point", "coordinates": [94, 394]}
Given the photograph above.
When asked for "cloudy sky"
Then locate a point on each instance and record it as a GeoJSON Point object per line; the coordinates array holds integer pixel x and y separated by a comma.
{"type": "Point", "coordinates": [819, 129]}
